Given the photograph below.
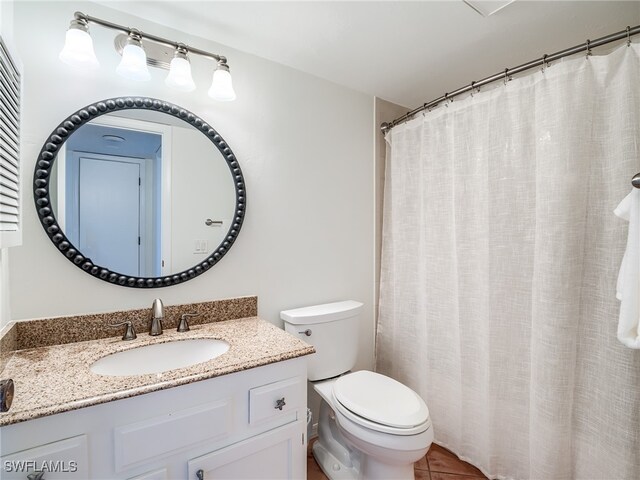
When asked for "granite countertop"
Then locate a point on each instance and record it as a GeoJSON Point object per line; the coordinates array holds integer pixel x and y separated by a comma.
{"type": "Point", "coordinates": [57, 378]}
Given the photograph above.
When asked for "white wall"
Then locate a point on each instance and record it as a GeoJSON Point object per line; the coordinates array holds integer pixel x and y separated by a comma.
{"type": "Point", "coordinates": [209, 193]}
{"type": "Point", "coordinates": [305, 146]}
{"type": "Point", "coordinates": [5, 311]}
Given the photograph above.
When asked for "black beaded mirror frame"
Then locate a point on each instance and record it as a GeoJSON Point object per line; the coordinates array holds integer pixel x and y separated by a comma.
{"type": "Point", "coordinates": [46, 160]}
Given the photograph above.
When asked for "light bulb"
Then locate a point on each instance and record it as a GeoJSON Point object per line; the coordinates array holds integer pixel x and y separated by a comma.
{"type": "Point", "coordinates": [180, 73]}
{"type": "Point", "coordinates": [221, 85]}
{"type": "Point", "coordinates": [134, 61]}
{"type": "Point", "coordinates": [78, 47]}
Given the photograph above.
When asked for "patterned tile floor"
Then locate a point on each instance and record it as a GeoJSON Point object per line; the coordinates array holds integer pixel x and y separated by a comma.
{"type": "Point", "coordinates": [438, 464]}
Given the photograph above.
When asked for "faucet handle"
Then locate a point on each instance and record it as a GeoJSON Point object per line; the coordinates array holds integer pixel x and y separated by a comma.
{"type": "Point", "coordinates": [129, 332]}
{"type": "Point", "coordinates": [157, 309]}
{"type": "Point", "coordinates": [183, 326]}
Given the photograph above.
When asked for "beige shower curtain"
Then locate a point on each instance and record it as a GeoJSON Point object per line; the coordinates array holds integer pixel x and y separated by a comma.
{"type": "Point", "coordinates": [500, 258]}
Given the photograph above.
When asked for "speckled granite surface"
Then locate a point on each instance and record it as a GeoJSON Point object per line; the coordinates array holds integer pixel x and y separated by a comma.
{"type": "Point", "coordinates": [80, 328]}
{"type": "Point", "coordinates": [49, 359]}
{"type": "Point", "coordinates": [8, 343]}
{"type": "Point", "coordinates": [54, 379]}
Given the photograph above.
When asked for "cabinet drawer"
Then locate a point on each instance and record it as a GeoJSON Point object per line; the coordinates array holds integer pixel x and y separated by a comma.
{"type": "Point", "coordinates": [278, 400]}
{"type": "Point", "coordinates": [160, 474]}
{"type": "Point", "coordinates": [65, 459]}
{"type": "Point", "coordinates": [160, 436]}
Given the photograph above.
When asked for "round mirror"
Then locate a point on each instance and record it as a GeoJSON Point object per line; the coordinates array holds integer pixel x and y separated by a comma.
{"type": "Point", "coordinates": [139, 192]}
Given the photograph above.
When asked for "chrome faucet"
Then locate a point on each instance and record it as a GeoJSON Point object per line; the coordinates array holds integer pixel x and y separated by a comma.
{"type": "Point", "coordinates": [157, 314]}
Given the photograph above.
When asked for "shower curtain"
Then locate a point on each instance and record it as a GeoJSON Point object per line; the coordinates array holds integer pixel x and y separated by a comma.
{"type": "Point", "coordinates": [500, 258]}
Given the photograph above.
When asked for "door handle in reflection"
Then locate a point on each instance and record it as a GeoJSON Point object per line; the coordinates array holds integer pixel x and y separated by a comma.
{"type": "Point", "coordinates": [208, 222]}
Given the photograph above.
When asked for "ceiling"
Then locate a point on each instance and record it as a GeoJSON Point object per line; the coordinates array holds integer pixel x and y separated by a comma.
{"type": "Point", "coordinates": [404, 52]}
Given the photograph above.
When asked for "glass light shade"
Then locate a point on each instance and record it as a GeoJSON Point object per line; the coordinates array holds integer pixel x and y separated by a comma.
{"type": "Point", "coordinates": [78, 49]}
{"type": "Point", "coordinates": [180, 75]}
{"type": "Point", "coordinates": [133, 64]}
{"type": "Point", "coordinates": [221, 86]}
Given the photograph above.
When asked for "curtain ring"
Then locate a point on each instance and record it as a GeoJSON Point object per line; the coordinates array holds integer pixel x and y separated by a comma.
{"type": "Point", "coordinates": [628, 36]}
{"type": "Point", "coordinates": [473, 83]}
{"type": "Point", "coordinates": [588, 47]}
{"type": "Point", "coordinates": [506, 76]}
{"type": "Point", "coordinates": [544, 62]}
{"type": "Point", "coordinates": [446, 98]}
{"type": "Point", "coordinates": [424, 107]}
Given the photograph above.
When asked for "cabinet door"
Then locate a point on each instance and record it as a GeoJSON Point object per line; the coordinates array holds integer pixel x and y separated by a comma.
{"type": "Point", "coordinates": [278, 454]}
{"type": "Point", "coordinates": [65, 459]}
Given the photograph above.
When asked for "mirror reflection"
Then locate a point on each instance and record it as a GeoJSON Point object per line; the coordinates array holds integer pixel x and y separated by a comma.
{"type": "Point", "coordinates": [142, 193]}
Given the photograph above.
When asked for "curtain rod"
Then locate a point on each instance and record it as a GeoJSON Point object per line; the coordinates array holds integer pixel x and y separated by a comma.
{"type": "Point", "coordinates": [505, 75]}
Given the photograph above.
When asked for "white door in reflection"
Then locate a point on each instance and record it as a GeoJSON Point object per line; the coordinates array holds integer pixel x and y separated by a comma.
{"type": "Point", "coordinates": [110, 211]}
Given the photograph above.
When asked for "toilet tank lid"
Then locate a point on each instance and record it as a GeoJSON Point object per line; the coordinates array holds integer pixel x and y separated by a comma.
{"type": "Point", "coordinates": [327, 312]}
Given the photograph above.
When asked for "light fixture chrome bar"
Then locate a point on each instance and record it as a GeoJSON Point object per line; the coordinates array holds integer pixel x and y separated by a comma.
{"type": "Point", "coordinates": [544, 60]}
{"type": "Point", "coordinates": [148, 36]}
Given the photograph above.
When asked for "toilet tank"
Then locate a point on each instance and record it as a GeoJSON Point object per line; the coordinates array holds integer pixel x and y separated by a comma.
{"type": "Point", "coordinates": [332, 329]}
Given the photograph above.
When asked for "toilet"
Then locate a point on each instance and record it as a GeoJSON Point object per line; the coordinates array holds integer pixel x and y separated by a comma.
{"type": "Point", "coordinates": [370, 426]}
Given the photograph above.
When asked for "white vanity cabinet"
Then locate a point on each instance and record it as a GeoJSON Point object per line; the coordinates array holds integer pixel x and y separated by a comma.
{"type": "Point", "coordinates": [249, 424]}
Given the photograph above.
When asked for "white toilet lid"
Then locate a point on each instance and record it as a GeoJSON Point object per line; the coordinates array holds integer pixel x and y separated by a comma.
{"type": "Point", "coordinates": [380, 399]}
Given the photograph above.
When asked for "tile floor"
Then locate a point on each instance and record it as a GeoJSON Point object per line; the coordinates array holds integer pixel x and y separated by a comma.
{"type": "Point", "coordinates": [438, 464]}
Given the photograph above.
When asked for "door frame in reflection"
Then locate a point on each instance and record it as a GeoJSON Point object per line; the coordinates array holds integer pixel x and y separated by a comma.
{"type": "Point", "coordinates": [147, 126]}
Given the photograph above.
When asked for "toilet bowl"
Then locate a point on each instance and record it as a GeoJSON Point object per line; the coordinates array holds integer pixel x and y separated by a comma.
{"type": "Point", "coordinates": [387, 443]}
{"type": "Point", "coordinates": [370, 426]}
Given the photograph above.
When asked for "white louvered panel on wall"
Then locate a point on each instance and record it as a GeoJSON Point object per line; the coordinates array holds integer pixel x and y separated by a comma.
{"type": "Point", "coordinates": [10, 215]}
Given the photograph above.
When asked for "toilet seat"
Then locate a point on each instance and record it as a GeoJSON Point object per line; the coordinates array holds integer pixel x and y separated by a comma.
{"type": "Point", "coordinates": [380, 403]}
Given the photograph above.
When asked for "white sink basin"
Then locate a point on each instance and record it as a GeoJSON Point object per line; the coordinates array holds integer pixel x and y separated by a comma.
{"type": "Point", "coordinates": [160, 357]}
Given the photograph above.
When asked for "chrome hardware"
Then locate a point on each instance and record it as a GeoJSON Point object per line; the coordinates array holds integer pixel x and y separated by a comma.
{"type": "Point", "coordinates": [37, 475]}
{"type": "Point", "coordinates": [307, 332]}
{"type": "Point", "coordinates": [507, 78]}
{"type": "Point", "coordinates": [545, 64]}
{"type": "Point", "coordinates": [200, 474]}
{"type": "Point", "coordinates": [635, 181]}
{"type": "Point", "coordinates": [129, 332]}
{"type": "Point", "coordinates": [183, 326]}
{"type": "Point", "coordinates": [6, 394]}
{"type": "Point", "coordinates": [208, 222]}
{"type": "Point", "coordinates": [332, 414]}
{"type": "Point", "coordinates": [280, 403]}
{"type": "Point", "coordinates": [157, 315]}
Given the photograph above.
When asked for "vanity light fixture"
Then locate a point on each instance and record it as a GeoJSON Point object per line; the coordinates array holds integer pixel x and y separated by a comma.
{"type": "Point", "coordinates": [140, 49]}
{"type": "Point", "coordinates": [180, 71]}
{"type": "Point", "coordinates": [78, 46]}
{"type": "Point", "coordinates": [134, 60]}
{"type": "Point", "coordinates": [221, 87]}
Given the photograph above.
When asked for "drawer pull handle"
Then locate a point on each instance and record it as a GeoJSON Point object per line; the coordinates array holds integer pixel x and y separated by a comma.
{"type": "Point", "coordinates": [307, 332]}
{"type": "Point", "coordinates": [280, 403]}
{"type": "Point", "coordinates": [200, 474]}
